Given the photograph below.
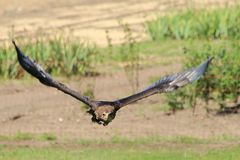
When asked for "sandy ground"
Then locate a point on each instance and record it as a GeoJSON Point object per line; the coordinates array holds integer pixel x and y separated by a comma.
{"type": "Point", "coordinates": [88, 19]}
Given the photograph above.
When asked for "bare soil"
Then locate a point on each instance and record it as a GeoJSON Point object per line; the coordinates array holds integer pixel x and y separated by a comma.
{"type": "Point", "coordinates": [88, 19]}
{"type": "Point", "coordinates": [34, 108]}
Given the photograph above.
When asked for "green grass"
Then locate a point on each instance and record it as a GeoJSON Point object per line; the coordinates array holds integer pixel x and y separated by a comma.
{"type": "Point", "coordinates": [24, 136]}
{"type": "Point", "coordinates": [156, 139]}
{"type": "Point", "coordinates": [47, 137]}
{"type": "Point", "coordinates": [122, 140]}
{"type": "Point", "coordinates": [197, 24]}
{"type": "Point", "coordinates": [231, 153]}
{"type": "Point", "coordinates": [118, 147]}
{"type": "Point", "coordinates": [64, 57]}
{"type": "Point", "coordinates": [61, 55]}
{"type": "Point", "coordinates": [166, 48]}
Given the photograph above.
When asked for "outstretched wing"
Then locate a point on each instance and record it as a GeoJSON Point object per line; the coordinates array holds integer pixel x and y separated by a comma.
{"type": "Point", "coordinates": [36, 71]}
{"type": "Point", "coordinates": [168, 83]}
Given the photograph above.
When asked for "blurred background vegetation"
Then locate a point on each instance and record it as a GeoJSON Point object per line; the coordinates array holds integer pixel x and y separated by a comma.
{"type": "Point", "coordinates": [198, 33]}
{"type": "Point", "coordinates": [217, 34]}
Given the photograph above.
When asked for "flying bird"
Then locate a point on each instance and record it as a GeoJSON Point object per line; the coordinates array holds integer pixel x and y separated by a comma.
{"type": "Point", "coordinates": [103, 112]}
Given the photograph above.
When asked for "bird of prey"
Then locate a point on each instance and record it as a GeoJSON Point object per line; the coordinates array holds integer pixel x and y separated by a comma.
{"type": "Point", "coordinates": [103, 112]}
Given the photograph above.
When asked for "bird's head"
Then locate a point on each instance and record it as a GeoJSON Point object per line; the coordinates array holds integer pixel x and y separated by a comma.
{"type": "Point", "coordinates": [103, 114]}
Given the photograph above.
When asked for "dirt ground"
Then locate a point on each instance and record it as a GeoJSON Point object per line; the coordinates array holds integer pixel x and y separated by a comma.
{"type": "Point", "coordinates": [34, 108]}
{"type": "Point", "coordinates": [88, 19]}
{"type": "Point", "coordinates": [42, 109]}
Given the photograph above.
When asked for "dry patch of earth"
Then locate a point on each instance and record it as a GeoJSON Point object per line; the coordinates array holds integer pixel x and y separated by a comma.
{"type": "Point", "coordinates": [34, 108]}
{"type": "Point", "coordinates": [88, 19]}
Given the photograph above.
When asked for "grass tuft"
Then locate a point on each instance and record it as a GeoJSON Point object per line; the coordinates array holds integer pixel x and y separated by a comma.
{"type": "Point", "coordinates": [23, 136]}
{"type": "Point", "coordinates": [197, 24]}
{"type": "Point", "coordinates": [61, 55]}
{"type": "Point", "coordinates": [47, 137]}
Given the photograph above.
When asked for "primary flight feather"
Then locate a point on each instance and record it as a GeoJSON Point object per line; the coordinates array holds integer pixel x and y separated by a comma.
{"type": "Point", "coordinates": [103, 112]}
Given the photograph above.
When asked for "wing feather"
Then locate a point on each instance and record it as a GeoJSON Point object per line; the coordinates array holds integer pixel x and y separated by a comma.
{"type": "Point", "coordinates": [168, 83]}
{"type": "Point", "coordinates": [165, 84]}
{"type": "Point", "coordinates": [36, 71]}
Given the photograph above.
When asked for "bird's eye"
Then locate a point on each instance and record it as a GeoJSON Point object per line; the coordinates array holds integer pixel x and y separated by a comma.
{"type": "Point", "coordinates": [104, 114]}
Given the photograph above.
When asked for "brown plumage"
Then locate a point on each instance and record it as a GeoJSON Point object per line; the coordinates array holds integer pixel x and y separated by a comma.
{"type": "Point", "coordinates": [104, 112]}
